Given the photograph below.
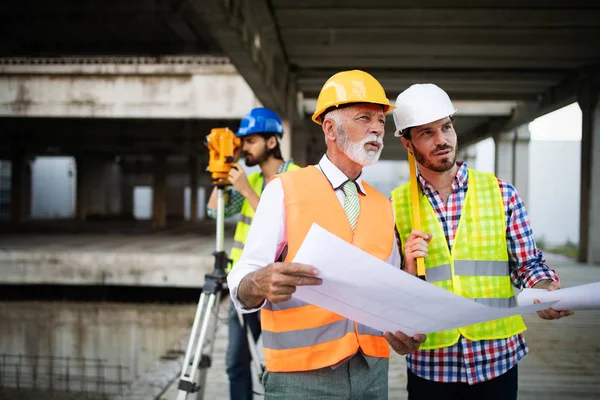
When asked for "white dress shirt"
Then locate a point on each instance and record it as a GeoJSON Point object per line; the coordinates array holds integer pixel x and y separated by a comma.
{"type": "Point", "coordinates": [268, 236]}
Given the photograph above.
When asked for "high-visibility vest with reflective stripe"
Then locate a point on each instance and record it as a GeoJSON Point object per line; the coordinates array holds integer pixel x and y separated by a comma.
{"type": "Point", "coordinates": [298, 336]}
{"type": "Point", "coordinates": [247, 214]}
{"type": "Point", "coordinates": [477, 267]}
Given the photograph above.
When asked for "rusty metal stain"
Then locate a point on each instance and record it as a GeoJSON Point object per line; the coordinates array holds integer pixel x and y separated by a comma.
{"type": "Point", "coordinates": [22, 100]}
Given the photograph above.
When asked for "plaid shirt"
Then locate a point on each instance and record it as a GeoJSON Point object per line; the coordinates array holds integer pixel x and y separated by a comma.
{"type": "Point", "coordinates": [235, 200]}
{"type": "Point", "coordinates": [468, 361]}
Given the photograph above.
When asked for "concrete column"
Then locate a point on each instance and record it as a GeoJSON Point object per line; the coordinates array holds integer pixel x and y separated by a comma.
{"type": "Point", "coordinates": [286, 140]}
{"type": "Point", "coordinates": [159, 191]}
{"type": "Point", "coordinates": [298, 147]}
{"type": "Point", "coordinates": [81, 202]}
{"type": "Point", "coordinates": [589, 245]}
{"type": "Point", "coordinates": [18, 193]}
{"type": "Point", "coordinates": [512, 159]}
{"type": "Point", "coordinates": [193, 165]}
{"type": "Point", "coordinates": [127, 185]}
{"type": "Point", "coordinates": [469, 155]}
{"type": "Point", "coordinates": [99, 187]}
{"type": "Point", "coordinates": [308, 142]}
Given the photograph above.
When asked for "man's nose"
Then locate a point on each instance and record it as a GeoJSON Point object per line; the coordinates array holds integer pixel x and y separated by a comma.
{"type": "Point", "coordinates": [377, 128]}
{"type": "Point", "coordinates": [439, 138]}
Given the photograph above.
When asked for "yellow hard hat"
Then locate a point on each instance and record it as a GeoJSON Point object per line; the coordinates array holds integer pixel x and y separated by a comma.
{"type": "Point", "coordinates": [350, 87]}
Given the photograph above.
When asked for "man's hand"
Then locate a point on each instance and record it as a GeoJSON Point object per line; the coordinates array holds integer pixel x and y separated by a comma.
{"type": "Point", "coordinates": [276, 282]}
{"type": "Point", "coordinates": [403, 344]}
{"type": "Point", "coordinates": [239, 180]}
{"type": "Point", "coordinates": [416, 246]}
{"type": "Point", "coordinates": [550, 313]}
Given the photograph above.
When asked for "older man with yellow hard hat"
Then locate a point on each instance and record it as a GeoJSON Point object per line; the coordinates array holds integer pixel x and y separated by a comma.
{"type": "Point", "coordinates": [311, 352]}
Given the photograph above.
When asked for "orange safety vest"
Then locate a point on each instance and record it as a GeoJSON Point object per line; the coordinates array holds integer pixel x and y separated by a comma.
{"type": "Point", "coordinates": [298, 336]}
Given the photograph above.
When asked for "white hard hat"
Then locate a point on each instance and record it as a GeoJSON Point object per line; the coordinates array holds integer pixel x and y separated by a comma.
{"type": "Point", "coordinates": [421, 104]}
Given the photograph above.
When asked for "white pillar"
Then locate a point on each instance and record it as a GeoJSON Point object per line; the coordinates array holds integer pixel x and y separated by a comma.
{"type": "Point", "coordinates": [469, 155]}
{"type": "Point", "coordinates": [589, 245]}
{"type": "Point", "coordinates": [512, 159]}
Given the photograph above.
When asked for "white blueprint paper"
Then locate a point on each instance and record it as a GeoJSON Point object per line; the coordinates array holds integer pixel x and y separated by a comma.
{"type": "Point", "coordinates": [365, 289]}
{"type": "Point", "coordinates": [583, 297]}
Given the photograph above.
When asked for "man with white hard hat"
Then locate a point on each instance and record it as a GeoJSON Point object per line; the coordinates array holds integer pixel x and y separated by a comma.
{"type": "Point", "coordinates": [476, 242]}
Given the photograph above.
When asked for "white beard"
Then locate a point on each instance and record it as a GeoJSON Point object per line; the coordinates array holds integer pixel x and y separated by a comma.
{"type": "Point", "coordinates": [356, 150]}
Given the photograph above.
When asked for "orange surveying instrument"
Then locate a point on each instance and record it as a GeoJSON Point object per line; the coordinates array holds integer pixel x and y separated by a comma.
{"type": "Point", "coordinates": [222, 146]}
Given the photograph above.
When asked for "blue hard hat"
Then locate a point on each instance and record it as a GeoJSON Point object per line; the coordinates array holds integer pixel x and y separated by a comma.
{"type": "Point", "coordinates": [260, 120]}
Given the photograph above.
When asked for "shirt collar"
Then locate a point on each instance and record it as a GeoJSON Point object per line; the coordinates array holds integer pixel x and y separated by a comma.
{"type": "Point", "coordinates": [460, 179]}
{"type": "Point", "coordinates": [335, 176]}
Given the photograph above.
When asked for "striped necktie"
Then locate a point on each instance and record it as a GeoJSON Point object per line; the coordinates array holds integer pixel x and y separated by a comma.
{"type": "Point", "coordinates": [351, 204]}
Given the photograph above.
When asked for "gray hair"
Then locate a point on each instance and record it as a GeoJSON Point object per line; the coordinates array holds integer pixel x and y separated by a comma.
{"type": "Point", "coordinates": [336, 117]}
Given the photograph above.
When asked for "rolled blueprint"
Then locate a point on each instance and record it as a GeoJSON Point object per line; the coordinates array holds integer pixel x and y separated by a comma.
{"type": "Point", "coordinates": [583, 297]}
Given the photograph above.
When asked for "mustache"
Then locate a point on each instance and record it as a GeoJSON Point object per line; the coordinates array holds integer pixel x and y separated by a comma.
{"type": "Point", "coordinates": [373, 138]}
{"type": "Point", "coordinates": [442, 148]}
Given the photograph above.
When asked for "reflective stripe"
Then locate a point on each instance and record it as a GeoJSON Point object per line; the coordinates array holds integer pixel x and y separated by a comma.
{"type": "Point", "coordinates": [238, 245]}
{"type": "Point", "coordinates": [439, 273]}
{"type": "Point", "coordinates": [498, 303]}
{"type": "Point", "coordinates": [481, 268]}
{"type": "Point", "coordinates": [366, 330]}
{"type": "Point", "coordinates": [291, 303]}
{"type": "Point", "coordinates": [467, 268]}
{"type": "Point", "coordinates": [246, 219]}
{"type": "Point", "coordinates": [307, 337]}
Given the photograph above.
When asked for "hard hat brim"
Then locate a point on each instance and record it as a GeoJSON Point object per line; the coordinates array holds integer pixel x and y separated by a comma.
{"type": "Point", "coordinates": [316, 117]}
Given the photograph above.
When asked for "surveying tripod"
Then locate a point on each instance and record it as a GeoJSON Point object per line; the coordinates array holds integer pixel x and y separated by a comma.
{"type": "Point", "coordinates": [208, 305]}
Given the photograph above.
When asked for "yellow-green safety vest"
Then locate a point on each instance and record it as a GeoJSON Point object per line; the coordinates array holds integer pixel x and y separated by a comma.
{"type": "Point", "coordinates": [477, 267]}
{"type": "Point", "coordinates": [247, 214]}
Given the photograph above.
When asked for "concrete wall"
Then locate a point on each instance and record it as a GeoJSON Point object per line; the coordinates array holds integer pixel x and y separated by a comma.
{"type": "Point", "coordinates": [555, 190]}
{"type": "Point", "coordinates": [554, 187]}
{"type": "Point", "coordinates": [125, 91]}
{"type": "Point", "coordinates": [386, 175]}
{"type": "Point", "coordinates": [128, 335]}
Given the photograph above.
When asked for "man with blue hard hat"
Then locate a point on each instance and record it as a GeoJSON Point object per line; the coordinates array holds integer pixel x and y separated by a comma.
{"type": "Point", "coordinates": [260, 131]}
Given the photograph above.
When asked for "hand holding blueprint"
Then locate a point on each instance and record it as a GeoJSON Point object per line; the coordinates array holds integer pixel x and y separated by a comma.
{"type": "Point", "coordinates": [365, 289]}
{"type": "Point", "coordinates": [584, 297]}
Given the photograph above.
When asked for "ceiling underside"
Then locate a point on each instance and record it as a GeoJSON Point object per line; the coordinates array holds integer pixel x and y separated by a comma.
{"type": "Point", "coordinates": [537, 53]}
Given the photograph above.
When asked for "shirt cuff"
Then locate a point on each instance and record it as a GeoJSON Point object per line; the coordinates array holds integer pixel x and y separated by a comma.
{"type": "Point", "coordinates": [539, 274]}
{"type": "Point", "coordinates": [233, 293]}
{"type": "Point", "coordinates": [211, 212]}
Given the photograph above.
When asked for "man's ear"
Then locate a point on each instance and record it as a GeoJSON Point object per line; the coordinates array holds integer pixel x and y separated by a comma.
{"type": "Point", "coordinates": [330, 130]}
{"type": "Point", "coordinates": [407, 144]}
{"type": "Point", "coordinates": [271, 142]}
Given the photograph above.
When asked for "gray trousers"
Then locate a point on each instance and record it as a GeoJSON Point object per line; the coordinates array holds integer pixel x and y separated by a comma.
{"type": "Point", "coordinates": [353, 379]}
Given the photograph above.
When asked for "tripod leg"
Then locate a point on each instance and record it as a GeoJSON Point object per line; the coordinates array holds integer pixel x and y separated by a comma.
{"type": "Point", "coordinates": [208, 348]}
{"type": "Point", "coordinates": [186, 382]}
{"type": "Point", "coordinates": [252, 347]}
{"type": "Point", "coordinates": [190, 346]}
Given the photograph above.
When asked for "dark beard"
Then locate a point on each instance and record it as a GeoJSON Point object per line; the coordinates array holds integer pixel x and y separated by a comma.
{"type": "Point", "coordinates": [442, 166]}
{"type": "Point", "coordinates": [264, 156]}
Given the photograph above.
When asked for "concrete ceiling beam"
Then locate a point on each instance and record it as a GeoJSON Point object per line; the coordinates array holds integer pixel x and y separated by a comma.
{"type": "Point", "coordinates": [442, 35]}
{"type": "Point", "coordinates": [248, 34]}
{"type": "Point", "coordinates": [422, 17]}
{"type": "Point", "coordinates": [450, 61]}
{"type": "Point", "coordinates": [557, 96]}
